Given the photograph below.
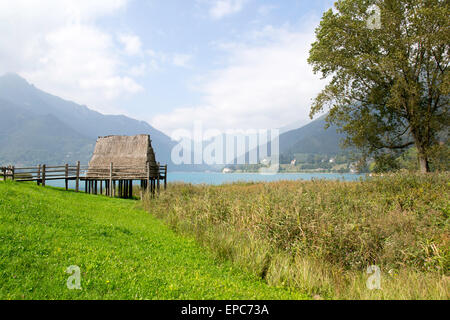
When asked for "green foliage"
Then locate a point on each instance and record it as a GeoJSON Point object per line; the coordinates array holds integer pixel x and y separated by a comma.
{"type": "Point", "coordinates": [123, 252]}
{"type": "Point", "coordinates": [439, 157]}
{"type": "Point", "coordinates": [385, 162]}
{"type": "Point", "coordinates": [320, 236]}
{"type": "Point", "coordinates": [390, 86]}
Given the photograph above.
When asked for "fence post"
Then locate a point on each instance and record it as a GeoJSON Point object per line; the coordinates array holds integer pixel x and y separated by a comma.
{"type": "Point", "coordinates": [43, 175]}
{"type": "Point", "coordinates": [165, 177]}
{"type": "Point", "coordinates": [111, 179]}
{"type": "Point", "coordinates": [159, 176]}
{"type": "Point", "coordinates": [13, 172]}
{"type": "Point", "coordinates": [77, 179]}
{"type": "Point", "coordinates": [39, 175]}
{"type": "Point", "coordinates": [67, 176]}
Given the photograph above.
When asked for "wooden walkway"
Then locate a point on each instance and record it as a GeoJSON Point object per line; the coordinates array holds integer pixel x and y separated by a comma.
{"type": "Point", "coordinates": [111, 181]}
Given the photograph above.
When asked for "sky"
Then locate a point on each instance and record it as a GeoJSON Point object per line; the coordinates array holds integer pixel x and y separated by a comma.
{"type": "Point", "coordinates": [231, 64]}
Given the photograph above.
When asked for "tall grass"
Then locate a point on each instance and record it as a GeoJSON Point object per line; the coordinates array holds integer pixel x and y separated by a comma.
{"type": "Point", "coordinates": [320, 236]}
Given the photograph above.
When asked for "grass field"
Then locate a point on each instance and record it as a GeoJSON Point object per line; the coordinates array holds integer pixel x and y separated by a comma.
{"type": "Point", "coordinates": [123, 252]}
{"type": "Point", "coordinates": [320, 237]}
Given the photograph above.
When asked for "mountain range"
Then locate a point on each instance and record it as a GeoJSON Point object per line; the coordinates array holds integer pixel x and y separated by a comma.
{"type": "Point", "coordinates": [37, 127]}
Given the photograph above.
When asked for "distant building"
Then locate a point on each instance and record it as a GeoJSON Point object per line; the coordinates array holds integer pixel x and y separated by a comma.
{"type": "Point", "coordinates": [353, 168]}
{"type": "Point", "coordinates": [332, 160]}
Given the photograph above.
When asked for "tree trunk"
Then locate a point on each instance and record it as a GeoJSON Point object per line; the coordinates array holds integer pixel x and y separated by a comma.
{"type": "Point", "coordinates": [423, 163]}
{"type": "Point", "coordinates": [422, 156]}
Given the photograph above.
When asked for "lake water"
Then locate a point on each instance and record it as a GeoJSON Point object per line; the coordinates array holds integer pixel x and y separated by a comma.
{"type": "Point", "coordinates": [221, 178]}
{"type": "Point", "coordinates": [213, 178]}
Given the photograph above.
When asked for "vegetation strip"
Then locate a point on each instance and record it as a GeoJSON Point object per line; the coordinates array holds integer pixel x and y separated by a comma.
{"type": "Point", "coordinates": [322, 236]}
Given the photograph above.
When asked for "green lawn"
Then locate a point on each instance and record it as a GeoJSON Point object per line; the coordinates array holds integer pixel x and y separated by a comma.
{"type": "Point", "coordinates": [123, 252]}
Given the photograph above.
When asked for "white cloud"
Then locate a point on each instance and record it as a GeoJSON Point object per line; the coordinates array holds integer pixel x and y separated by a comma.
{"type": "Point", "coordinates": [158, 59]}
{"type": "Point", "coordinates": [132, 44]}
{"type": "Point", "coordinates": [181, 60]}
{"type": "Point", "coordinates": [222, 8]}
{"type": "Point", "coordinates": [57, 45]}
{"type": "Point", "coordinates": [266, 9]}
{"type": "Point", "coordinates": [266, 84]}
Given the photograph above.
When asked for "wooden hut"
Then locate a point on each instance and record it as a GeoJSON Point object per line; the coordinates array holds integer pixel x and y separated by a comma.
{"type": "Point", "coordinates": [124, 159]}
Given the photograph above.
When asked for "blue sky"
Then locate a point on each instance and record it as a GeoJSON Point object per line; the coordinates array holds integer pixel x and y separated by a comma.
{"type": "Point", "coordinates": [232, 64]}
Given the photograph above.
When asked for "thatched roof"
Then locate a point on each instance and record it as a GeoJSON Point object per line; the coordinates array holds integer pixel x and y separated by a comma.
{"type": "Point", "coordinates": [123, 151]}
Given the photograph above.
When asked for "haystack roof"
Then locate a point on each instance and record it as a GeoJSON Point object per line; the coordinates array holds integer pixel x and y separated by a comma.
{"type": "Point", "coordinates": [123, 151]}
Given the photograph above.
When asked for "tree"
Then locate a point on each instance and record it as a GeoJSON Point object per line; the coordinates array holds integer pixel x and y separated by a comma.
{"type": "Point", "coordinates": [389, 86]}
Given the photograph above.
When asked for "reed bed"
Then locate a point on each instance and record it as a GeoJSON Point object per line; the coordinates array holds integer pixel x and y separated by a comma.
{"type": "Point", "coordinates": [320, 236]}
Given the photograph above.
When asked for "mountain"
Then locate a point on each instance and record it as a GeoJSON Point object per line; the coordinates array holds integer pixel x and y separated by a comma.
{"type": "Point", "coordinates": [311, 138]}
{"type": "Point", "coordinates": [37, 127]}
{"type": "Point", "coordinates": [294, 125]}
{"type": "Point", "coordinates": [25, 137]}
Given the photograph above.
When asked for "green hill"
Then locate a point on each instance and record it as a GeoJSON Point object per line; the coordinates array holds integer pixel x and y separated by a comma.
{"type": "Point", "coordinates": [42, 127]}
{"type": "Point", "coordinates": [311, 138]}
{"type": "Point", "coordinates": [26, 137]}
{"type": "Point", "coordinates": [123, 252]}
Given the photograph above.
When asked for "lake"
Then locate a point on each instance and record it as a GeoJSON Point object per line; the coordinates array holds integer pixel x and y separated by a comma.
{"type": "Point", "coordinates": [221, 178]}
{"type": "Point", "coordinates": [214, 178]}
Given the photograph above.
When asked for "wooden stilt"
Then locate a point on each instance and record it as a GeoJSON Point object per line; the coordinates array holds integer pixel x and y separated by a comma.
{"type": "Point", "coordinates": [131, 189]}
{"type": "Point", "coordinates": [157, 181]}
{"type": "Point", "coordinates": [110, 179]}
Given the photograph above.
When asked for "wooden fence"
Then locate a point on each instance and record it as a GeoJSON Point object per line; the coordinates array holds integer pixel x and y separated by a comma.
{"type": "Point", "coordinates": [150, 177]}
